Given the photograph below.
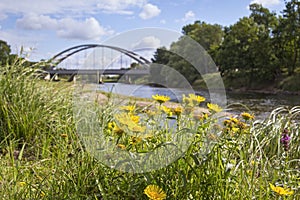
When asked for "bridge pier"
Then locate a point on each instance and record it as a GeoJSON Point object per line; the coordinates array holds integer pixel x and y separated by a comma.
{"type": "Point", "coordinates": [100, 81]}
{"type": "Point", "coordinates": [51, 77]}
{"type": "Point", "coordinates": [72, 78]}
{"type": "Point", "coordinates": [127, 78]}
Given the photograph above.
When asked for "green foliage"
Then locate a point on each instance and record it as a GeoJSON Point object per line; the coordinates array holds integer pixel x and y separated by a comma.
{"type": "Point", "coordinates": [182, 55]}
{"type": "Point", "coordinates": [4, 52]}
{"type": "Point", "coordinates": [291, 83]}
{"type": "Point", "coordinates": [286, 37]}
{"type": "Point", "coordinates": [25, 104]}
{"type": "Point", "coordinates": [247, 47]}
{"type": "Point", "coordinates": [260, 46]}
{"type": "Point", "coordinates": [207, 35]}
{"type": "Point", "coordinates": [42, 157]}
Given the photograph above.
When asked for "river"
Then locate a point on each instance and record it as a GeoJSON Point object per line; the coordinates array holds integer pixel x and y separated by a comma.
{"type": "Point", "coordinates": [260, 104]}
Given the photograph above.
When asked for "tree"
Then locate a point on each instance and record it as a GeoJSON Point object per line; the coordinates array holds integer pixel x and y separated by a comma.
{"type": "Point", "coordinates": [247, 47]}
{"type": "Point", "coordinates": [209, 36]}
{"type": "Point", "coordinates": [287, 36]}
{"type": "Point", "coordinates": [4, 52]}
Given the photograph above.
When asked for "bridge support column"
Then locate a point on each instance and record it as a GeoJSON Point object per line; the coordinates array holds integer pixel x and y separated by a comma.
{"type": "Point", "coordinates": [99, 78]}
{"type": "Point", "coordinates": [51, 77]}
{"type": "Point", "coordinates": [127, 78]}
{"type": "Point", "coordinates": [72, 78]}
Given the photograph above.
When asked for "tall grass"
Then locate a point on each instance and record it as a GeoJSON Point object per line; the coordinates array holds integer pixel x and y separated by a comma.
{"type": "Point", "coordinates": [42, 157]}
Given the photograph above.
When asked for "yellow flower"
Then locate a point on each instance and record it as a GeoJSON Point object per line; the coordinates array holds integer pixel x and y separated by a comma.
{"type": "Point", "coordinates": [247, 116]}
{"type": "Point", "coordinates": [242, 125]}
{"type": "Point", "coordinates": [178, 110]}
{"type": "Point", "coordinates": [111, 125]}
{"type": "Point", "coordinates": [129, 108]}
{"type": "Point", "coordinates": [121, 146]}
{"type": "Point", "coordinates": [117, 130]}
{"type": "Point", "coordinates": [137, 128]}
{"type": "Point", "coordinates": [234, 120]}
{"type": "Point", "coordinates": [280, 190]}
{"type": "Point", "coordinates": [130, 122]}
{"type": "Point", "coordinates": [227, 123]}
{"type": "Point", "coordinates": [193, 99]}
{"type": "Point", "coordinates": [135, 140]}
{"type": "Point", "coordinates": [214, 107]}
{"type": "Point", "coordinates": [235, 129]}
{"type": "Point", "coordinates": [166, 110]}
{"type": "Point", "coordinates": [150, 113]}
{"type": "Point", "coordinates": [135, 118]}
{"type": "Point", "coordinates": [64, 135]}
{"type": "Point", "coordinates": [160, 98]}
{"type": "Point", "coordinates": [22, 183]}
{"type": "Point", "coordinates": [154, 192]}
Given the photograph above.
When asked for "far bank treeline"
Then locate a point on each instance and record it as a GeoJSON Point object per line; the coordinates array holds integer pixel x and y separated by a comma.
{"type": "Point", "coordinates": [257, 52]}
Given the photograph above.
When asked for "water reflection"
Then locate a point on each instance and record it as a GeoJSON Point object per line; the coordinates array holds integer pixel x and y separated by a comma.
{"type": "Point", "coordinates": [260, 104]}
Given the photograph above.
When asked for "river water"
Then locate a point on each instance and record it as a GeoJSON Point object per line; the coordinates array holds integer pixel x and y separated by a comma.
{"type": "Point", "coordinates": [260, 104]}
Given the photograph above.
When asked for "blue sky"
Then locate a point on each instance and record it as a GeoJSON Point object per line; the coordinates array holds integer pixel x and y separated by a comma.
{"type": "Point", "coordinates": [45, 27]}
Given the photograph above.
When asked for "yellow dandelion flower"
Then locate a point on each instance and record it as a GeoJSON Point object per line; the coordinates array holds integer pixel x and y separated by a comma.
{"type": "Point", "coordinates": [155, 193]}
{"type": "Point", "coordinates": [64, 135]}
{"type": "Point", "coordinates": [129, 122]}
{"type": "Point", "coordinates": [196, 98]}
{"type": "Point", "coordinates": [234, 120]}
{"type": "Point", "coordinates": [21, 183]}
{"type": "Point", "coordinates": [235, 129]}
{"type": "Point", "coordinates": [129, 108]}
{"type": "Point", "coordinates": [166, 110]}
{"type": "Point", "coordinates": [247, 116]}
{"type": "Point", "coordinates": [201, 117]}
{"type": "Point", "coordinates": [117, 130]}
{"type": "Point", "coordinates": [280, 190]}
{"type": "Point", "coordinates": [178, 110]}
{"type": "Point", "coordinates": [214, 107]}
{"type": "Point", "coordinates": [121, 146]}
{"type": "Point", "coordinates": [111, 125]}
{"type": "Point", "coordinates": [249, 172]}
{"type": "Point", "coordinates": [193, 99]}
{"type": "Point", "coordinates": [227, 123]}
{"type": "Point", "coordinates": [135, 118]}
{"type": "Point", "coordinates": [135, 140]}
{"type": "Point", "coordinates": [150, 113]}
{"type": "Point", "coordinates": [242, 125]}
{"type": "Point", "coordinates": [160, 98]}
{"type": "Point", "coordinates": [137, 128]}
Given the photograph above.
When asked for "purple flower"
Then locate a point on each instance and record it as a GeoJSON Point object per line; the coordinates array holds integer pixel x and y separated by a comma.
{"type": "Point", "coordinates": [285, 139]}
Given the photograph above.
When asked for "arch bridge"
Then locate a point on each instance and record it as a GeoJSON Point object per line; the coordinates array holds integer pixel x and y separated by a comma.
{"type": "Point", "coordinates": [63, 55]}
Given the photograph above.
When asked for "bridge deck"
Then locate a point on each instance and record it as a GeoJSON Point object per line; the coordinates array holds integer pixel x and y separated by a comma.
{"type": "Point", "coordinates": [99, 71]}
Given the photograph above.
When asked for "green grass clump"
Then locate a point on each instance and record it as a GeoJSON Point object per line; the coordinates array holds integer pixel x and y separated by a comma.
{"type": "Point", "coordinates": [43, 154]}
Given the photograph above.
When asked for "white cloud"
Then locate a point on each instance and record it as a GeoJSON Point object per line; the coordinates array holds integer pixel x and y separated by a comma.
{"type": "Point", "coordinates": [149, 11]}
{"type": "Point", "coordinates": [188, 16]}
{"type": "Point", "coordinates": [69, 6]}
{"type": "Point", "coordinates": [88, 29]}
{"type": "Point", "coordinates": [266, 3]}
{"type": "Point", "coordinates": [65, 27]}
{"type": "Point", "coordinates": [36, 22]}
{"type": "Point", "coordinates": [148, 42]}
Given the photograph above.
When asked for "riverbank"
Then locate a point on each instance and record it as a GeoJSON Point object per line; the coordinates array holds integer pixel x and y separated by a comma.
{"type": "Point", "coordinates": [284, 84]}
